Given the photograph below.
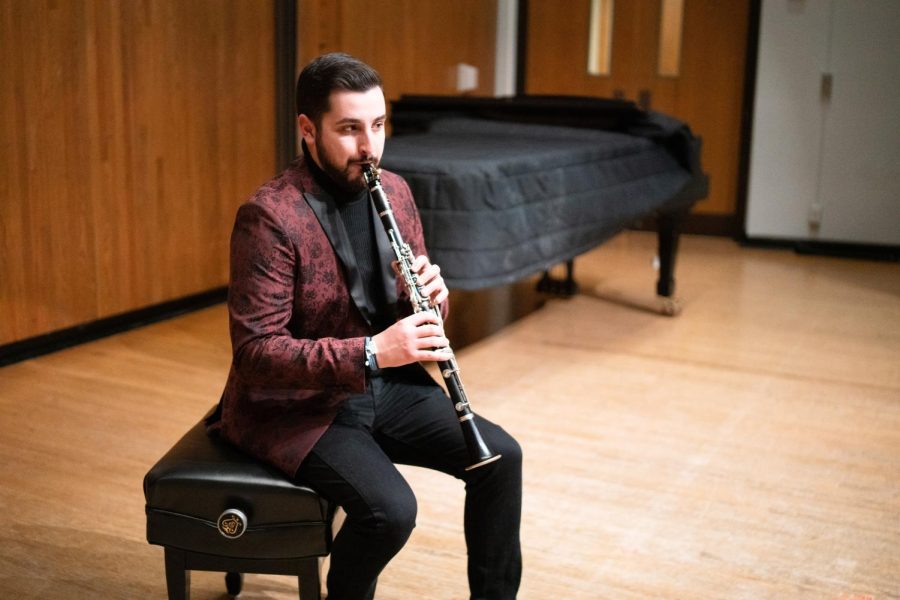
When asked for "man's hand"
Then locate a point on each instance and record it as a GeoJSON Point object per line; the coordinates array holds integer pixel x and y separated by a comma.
{"type": "Point", "coordinates": [429, 280]}
{"type": "Point", "coordinates": [410, 340]}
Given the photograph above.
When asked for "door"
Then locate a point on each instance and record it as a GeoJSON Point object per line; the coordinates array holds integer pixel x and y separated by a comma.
{"type": "Point", "coordinates": [825, 162]}
{"type": "Point", "coordinates": [860, 182]}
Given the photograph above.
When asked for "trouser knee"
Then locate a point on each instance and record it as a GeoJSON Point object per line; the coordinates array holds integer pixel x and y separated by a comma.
{"type": "Point", "coordinates": [505, 473]}
{"type": "Point", "coordinates": [393, 521]}
{"type": "Point", "coordinates": [510, 452]}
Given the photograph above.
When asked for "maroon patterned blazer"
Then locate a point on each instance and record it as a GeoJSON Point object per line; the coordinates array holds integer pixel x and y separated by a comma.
{"type": "Point", "coordinates": [298, 314]}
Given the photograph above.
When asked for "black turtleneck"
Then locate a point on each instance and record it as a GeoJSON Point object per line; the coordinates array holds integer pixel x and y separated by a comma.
{"type": "Point", "coordinates": [356, 213]}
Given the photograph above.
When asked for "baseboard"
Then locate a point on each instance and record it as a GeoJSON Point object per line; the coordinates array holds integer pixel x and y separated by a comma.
{"type": "Point", "coordinates": [699, 224]}
{"type": "Point", "coordinates": [86, 332]}
{"type": "Point", "coordinates": [835, 249]}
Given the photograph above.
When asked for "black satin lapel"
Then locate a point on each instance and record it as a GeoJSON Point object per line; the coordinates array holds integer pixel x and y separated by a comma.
{"type": "Point", "coordinates": [386, 257]}
{"type": "Point", "coordinates": [331, 223]}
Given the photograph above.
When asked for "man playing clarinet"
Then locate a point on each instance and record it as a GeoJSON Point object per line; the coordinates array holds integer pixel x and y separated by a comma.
{"type": "Point", "coordinates": [325, 382]}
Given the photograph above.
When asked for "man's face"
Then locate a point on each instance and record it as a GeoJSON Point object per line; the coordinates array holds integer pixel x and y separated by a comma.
{"type": "Point", "coordinates": [351, 133]}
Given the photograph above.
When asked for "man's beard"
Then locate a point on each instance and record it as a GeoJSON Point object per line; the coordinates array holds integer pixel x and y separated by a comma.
{"type": "Point", "coordinates": [341, 174]}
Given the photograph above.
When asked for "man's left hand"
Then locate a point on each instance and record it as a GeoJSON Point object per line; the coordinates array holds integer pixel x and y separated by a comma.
{"type": "Point", "coordinates": [429, 280]}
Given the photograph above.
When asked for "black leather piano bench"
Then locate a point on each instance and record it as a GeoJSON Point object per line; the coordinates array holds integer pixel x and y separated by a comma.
{"type": "Point", "coordinates": [214, 508]}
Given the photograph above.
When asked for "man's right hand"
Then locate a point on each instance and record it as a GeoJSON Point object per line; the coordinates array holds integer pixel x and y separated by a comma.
{"type": "Point", "coordinates": [411, 339]}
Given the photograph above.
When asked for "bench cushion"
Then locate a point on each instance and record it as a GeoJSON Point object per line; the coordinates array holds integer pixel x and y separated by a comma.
{"type": "Point", "coordinates": [201, 477]}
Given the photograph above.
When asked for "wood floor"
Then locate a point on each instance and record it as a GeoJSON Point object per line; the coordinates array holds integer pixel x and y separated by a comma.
{"type": "Point", "coordinates": [748, 448]}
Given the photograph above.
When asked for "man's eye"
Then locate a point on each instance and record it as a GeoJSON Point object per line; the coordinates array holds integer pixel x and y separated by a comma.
{"type": "Point", "coordinates": [378, 126]}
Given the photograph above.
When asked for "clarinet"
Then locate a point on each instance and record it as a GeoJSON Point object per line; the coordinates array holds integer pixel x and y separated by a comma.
{"type": "Point", "coordinates": [479, 453]}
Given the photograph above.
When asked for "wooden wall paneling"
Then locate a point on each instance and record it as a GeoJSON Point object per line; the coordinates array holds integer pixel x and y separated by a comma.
{"type": "Point", "coordinates": [708, 94]}
{"type": "Point", "coordinates": [133, 131]}
{"type": "Point", "coordinates": [556, 52]}
{"type": "Point", "coordinates": [636, 27]}
{"type": "Point", "coordinates": [12, 173]}
{"type": "Point", "coordinates": [415, 46]}
{"type": "Point", "coordinates": [556, 57]}
{"type": "Point", "coordinates": [50, 257]}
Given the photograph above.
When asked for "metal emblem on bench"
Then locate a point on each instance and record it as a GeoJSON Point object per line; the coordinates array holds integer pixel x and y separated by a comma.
{"type": "Point", "coordinates": [232, 523]}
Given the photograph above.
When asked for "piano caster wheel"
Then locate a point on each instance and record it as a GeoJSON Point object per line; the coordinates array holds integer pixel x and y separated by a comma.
{"type": "Point", "coordinates": [669, 306]}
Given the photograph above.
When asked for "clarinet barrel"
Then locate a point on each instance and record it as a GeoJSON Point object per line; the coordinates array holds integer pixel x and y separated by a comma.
{"type": "Point", "coordinates": [479, 453]}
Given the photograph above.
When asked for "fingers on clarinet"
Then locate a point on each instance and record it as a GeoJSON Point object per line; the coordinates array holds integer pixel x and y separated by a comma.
{"type": "Point", "coordinates": [435, 331]}
{"type": "Point", "coordinates": [435, 341]}
{"type": "Point", "coordinates": [426, 316]}
{"type": "Point", "coordinates": [416, 319]}
{"type": "Point", "coordinates": [419, 263]}
{"type": "Point", "coordinates": [442, 354]}
{"type": "Point", "coordinates": [429, 273]}
{"type": "Point", "coordinates": [434, 356]}
{"type": "Point", "coordinates": [429, 343]}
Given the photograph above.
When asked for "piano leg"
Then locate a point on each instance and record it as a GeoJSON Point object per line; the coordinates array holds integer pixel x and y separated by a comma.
{"type": "Point", "coordinates": [669, 229]}
{"type": "Point", "coordinates": [557, 287]}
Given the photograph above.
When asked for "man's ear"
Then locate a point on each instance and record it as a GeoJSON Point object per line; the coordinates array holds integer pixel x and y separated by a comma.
{"type": "Point", "coordinates": [307, 129]}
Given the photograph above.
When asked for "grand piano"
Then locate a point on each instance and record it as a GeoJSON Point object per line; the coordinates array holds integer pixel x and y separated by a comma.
{"type": "Point", "coordinates": [510, 187]}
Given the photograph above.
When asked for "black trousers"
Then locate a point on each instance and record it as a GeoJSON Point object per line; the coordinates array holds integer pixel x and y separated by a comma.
{"type": "Point", "coordinates": [406, 418]}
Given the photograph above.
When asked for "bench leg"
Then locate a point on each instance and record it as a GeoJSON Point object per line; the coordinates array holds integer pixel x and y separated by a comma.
{"type": "Point", "coordinates": [308, 578]}
{"type": "Point", "coordinates": [178, 578]}
{"type": "Point", "coordinates": [234, 582]}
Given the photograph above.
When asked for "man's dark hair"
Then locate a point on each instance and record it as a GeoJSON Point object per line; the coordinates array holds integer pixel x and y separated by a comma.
{"type": "Point", "coordinates": [327, 73]}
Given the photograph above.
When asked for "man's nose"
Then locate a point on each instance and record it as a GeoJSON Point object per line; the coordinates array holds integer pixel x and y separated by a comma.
{"type": "Point", "coordinates": [366, 143]}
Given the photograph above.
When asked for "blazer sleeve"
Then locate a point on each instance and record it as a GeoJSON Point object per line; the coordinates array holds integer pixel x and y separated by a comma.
{"type": "Point", "coordinates": [261, 301]}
